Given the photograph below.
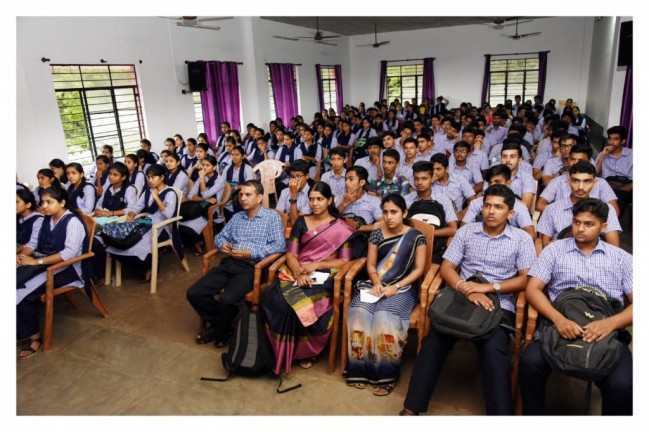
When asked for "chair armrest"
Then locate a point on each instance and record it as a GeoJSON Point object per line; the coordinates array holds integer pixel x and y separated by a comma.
{"type": "Point", "coordinates": [272, 270]}
{"type": "Point", "coordinates": [532, 315]}
{"type": "Point", "coordinates": [49, 284]}
{"type": "Point", "coordinates": [259, 267]}
{"type": "Point", "coordinates": [349, 279]}
{"type": "Point", "coordinates": [165, 222]}
{"type": "Point", "coordinates": [208, 258]}
{"type": "Point", "coordinates": [339, 278]}
{"type": "Point", "coordinates": [428, 288]}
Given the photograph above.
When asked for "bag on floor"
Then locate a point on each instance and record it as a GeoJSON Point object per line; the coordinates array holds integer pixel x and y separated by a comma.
{"type": "Point", "coordinates": [249, 352]}
{"type": "Point", "coordinates": [590, 361]}
{"type": "Point", "coordinates": [125, 235]}
{"type": "Point", "coordinates": [453, 314]}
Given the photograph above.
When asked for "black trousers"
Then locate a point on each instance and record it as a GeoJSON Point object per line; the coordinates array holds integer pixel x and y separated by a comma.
{"type": "Point", "coordinates": [233, 279]}
{"type": "Point", "coordinates": [495, 367]}
{"type": "Point", "coordinates": [616, 388]}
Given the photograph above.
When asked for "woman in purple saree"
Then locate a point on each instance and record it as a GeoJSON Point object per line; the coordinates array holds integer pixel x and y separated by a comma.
{"type": "Point", "coordinates": [297, 307]}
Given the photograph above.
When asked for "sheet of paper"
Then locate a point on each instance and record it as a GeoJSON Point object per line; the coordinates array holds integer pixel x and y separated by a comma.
{"type": "Point", "coordinates": [368, 297]}
{"type": "Point", "coordinates": [319, 277]}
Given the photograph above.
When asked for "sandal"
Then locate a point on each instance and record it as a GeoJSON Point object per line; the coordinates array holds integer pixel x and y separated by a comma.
{"type": "Point", "coordinates": [308, 363]}
{"type": "Point", "coordinates": [358, 385]}
{"type": "Point", "coordinates": [205, 336]}
{"type": "Point", "coordinates": [406, 412]}
{"type": "Point", "coordinates": [29, 350]}
{"type": "Point", "coordinates": [198, 249]}
{"type": "Point", "coordinates": [384, 390]}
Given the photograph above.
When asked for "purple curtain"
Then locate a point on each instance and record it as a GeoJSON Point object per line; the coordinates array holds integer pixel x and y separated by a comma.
{"type": "Point", "coordinates": [543, 72]}
{"type": "Point", "coordinates": [339, 88]}
{"type": "Point", "coordinates": [429, 79]}
{"type": "Point", "coordinates": [318, 77]}
{"type": "Point", "coordinates": [282, 79]}
{"type": "Point", "coordinates": [485, 79]}
{"type": "Point", "coordinates": [384, 69]}
{"type": "Point", "coordinates": [220, 102]}
{"type": "Point", "coordinates": [626, 115]}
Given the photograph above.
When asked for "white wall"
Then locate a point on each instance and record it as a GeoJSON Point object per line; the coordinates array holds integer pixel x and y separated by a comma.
{"type": "Point", "coordinates": [459, 57]}
{"type": "Point", "coordinates": [163, 48]}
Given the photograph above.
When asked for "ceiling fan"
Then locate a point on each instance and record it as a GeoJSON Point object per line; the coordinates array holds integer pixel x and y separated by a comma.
{"type": "Point", "coordinates": [517, 36]}
{"type": "Point", "coordinates": [376, 43]}
{"type": "Point", "coordinates": [317, 38]}
{"type": "Point", "coordinates": [195, 22]}
{"type": "Point", "coordinates": [499, 22]}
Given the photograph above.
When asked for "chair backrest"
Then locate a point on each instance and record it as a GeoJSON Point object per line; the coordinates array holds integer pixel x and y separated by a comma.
{"type": "Point", "coordinates": [284, 217]}
{"type": "Point", "coordinates": [91, 225]}
{"type": "Point", "coordinates": [429, 231]}
{"type": "Point", "coordinates": [269, 170]}
{"type": "Point", "coordinates": [179, 194]}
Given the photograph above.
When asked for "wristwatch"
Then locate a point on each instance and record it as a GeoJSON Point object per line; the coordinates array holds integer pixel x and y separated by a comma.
{"type": "Point", "coordinates": [292, 200]}
{"type": "Point", "coordinates": [40, 261]}
{"type": "Point", "coordinates": [497, 287]}
{"type": "Point", "coordinates": [397, 285]}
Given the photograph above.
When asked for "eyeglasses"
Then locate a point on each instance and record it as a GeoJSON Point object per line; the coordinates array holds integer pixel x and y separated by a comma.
{"type": "Point", "coordinates": [461, 151]}
{"type": "Point", "coordinates": [565, 145]}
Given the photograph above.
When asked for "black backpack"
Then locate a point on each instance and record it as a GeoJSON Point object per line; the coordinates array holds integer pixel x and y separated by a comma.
{"type": "Point", "coordinates": [249, 352]}
{"type": "Point", "coordinates": [431, 212]}
{"type": "Point", "coordinates": [453, 314]}
{"type": "Point", "coordinates": [590, 361]}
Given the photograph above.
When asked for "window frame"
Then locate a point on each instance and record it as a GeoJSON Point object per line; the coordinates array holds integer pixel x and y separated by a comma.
{"type": "Point", "coordinates": [527, 89]}
{"type": "Point", "coordinates": [328, 80]}
{"type": "Point", "coordinates": [117, 111]}
{"type": "Point", "coordinates": [418, 81]}
{"type": "Point", "coordinates": [198, 112]}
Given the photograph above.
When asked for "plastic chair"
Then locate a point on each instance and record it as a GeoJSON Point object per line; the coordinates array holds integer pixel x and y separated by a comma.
{"type": "Point", "coordinates": [155, 246]}
{"type": "Point", "coordinates": [208, 231]}
{"type": "Point", "coordinates": [269, 170]}
{"type": "Point", "coordinates": [431, 280]}
{"type": "Point", "coordinates": [67, 291]}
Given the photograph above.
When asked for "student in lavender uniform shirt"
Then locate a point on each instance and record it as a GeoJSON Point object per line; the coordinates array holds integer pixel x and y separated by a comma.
{"type": "Point", "coordinates": [583, 260]}
{"type": "Point", "coordinates": [503, 254]}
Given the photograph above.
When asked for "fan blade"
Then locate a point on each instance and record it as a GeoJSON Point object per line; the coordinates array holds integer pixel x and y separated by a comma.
{"type": "Point", "coordinates": [382, 43]}
{"type": "Point", "coordinates": [199, 26]}
{"type": "Point", "coordinates": [326, 43]}
{"type": "Point", "coordinates": [530, 34]}
{"type": "Point", "coordinates": [366, 44]}
{"type": "Point", "coordinates": [214, 19]}
{"type": "Point", "coordinates": [285, 38]}
{"type": "Point", "coordinates": [513, 24]}
{"type": "Point", "coordinates": [323, 37]}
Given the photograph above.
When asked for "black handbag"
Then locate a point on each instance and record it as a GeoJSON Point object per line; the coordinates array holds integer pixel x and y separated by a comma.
{"type": "Point", "coordinates": [453, 314]}
{"type": "Point", "coordinates": [125, 235]}
{"type": "Point", "coordinates": [193, 209]}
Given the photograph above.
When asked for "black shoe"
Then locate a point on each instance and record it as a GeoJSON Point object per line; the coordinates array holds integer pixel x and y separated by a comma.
{"type": "Point", "coordinates": [221, 343]}
{"type": "Point", "coordinates": [205, 336]}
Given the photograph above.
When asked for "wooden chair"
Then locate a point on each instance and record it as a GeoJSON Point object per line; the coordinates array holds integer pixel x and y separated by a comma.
{"type": "Point", "coordinates": [419, 315]}
{"type": "Point", "coordinates": [155, 246]}
{"type": "Point", "coordinates": [259, 284]}
{"type": "Point", "coordinates": [269, 170]}
{"type": "Point", "coordinates": [208, 231]}
{"type": "Point", "coordinates": [67, 291]}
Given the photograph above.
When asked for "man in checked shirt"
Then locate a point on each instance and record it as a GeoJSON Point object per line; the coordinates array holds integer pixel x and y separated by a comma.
{"type": "Point", "coordinates": [583, 260]}
{"type": "Point", "coordinates": [249, 237]}
{"type": "Point", "coordinates": [503, 254]}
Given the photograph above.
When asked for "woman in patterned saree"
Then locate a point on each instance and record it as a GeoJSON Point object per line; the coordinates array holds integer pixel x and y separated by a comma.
{"type": "Point", "coordinates": [378, 326]}
{"type": "Point", "coordinates": [297, 308]}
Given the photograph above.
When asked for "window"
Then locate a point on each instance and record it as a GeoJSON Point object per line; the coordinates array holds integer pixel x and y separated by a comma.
{"type": "Point", "coordinates": [404, 82]}
{"type": "Point", "coordinates": [273, 113]}
{"type": "Point", "coordinates": [511, 77]}
{"type": "Point", "coordinates": [328, 74]}
{"type": "Point", "coordinates": [198, 112]}
{"type": "Point", "coordinates": [99, 105]}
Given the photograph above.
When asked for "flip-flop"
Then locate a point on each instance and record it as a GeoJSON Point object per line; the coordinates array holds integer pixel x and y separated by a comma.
{"type": "Point", "coordinates": [29, 350]}
{"type": "Point", "coordinates": [389, 388]}
{"type": "Point", "coordinates": [358, 385]}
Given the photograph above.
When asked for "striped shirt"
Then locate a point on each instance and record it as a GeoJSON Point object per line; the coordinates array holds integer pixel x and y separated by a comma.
{"type": "Point", "coordinates": [368, 207]}
{"type": "Point", "coordinates": [470, 171]}
{"type": "Point", "coordinates": [521, 218]}
{"type": "Point", "coordinates": [523, 183]}
{"type": "Point", "coordinates": [497, 258]}
{"type": "Point", "coordinates": [366, 163]}
{"type": "Point", "coordinates": [262, 235]}
{"type": "Point", "coordinates": [449, 211]}
{"type": "Point", "coordinates": [476, 157]}
{"type": "Point", "coordinates": [554, 165]}
{"type": "Point", "coordinates": [337, 184]}
{"type": "Point", "coordinates": [562, 265]}
{"type": "Point", "coordinates": [559, 189]}
{"type": "Point", "coordinates": [558, 216]}
{"type": "Point", "coordinates": [620, 166]}
{"type": "Point", "coordinates": [302, 201]}
{"type": "Point", "coordinates": [497, 135]}
{"type": "Point", "coordinates": [457, 189]}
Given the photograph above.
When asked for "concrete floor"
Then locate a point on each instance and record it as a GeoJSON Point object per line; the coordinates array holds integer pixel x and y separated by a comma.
{"type": "Point", "coordinates": [142, 360]}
